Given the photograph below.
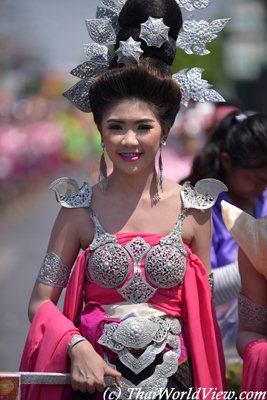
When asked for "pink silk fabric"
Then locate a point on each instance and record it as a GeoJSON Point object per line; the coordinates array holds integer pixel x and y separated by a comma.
{"type": "Point", "coordinates": [45, 350]}
{"type": "Point", "coordinates": [51, 330]}
{"type": "Point", "coordinates": [255, 366]}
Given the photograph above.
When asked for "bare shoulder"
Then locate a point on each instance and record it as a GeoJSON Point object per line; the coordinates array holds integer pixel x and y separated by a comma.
{"type": "Point", "coordinates": [72, 231]}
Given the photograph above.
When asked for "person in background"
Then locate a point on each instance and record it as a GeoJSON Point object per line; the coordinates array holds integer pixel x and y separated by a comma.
{"type": "Point", "coordinates": [251, 236]}
{"type": "Point", "coordinates": [235, 153]}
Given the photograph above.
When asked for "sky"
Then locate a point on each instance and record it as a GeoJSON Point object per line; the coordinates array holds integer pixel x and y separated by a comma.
{"type": "Point", "coordinates": [56, 28]}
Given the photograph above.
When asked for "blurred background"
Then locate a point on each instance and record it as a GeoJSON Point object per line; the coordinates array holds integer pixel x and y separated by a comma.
{"type": "Point", "coordinates": [43, 137]}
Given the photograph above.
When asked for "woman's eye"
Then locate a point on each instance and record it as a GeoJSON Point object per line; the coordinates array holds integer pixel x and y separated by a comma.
{"type": "Point", "coordinates": [145, 127]}
{"type": "Point", "coordinates": [115, 127]}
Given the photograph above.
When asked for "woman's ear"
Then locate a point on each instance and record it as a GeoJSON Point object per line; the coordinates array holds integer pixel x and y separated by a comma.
{"type": "Point", "coordinates": [165, 132]}
{"type": "Point", "coordinates": [225, 161]}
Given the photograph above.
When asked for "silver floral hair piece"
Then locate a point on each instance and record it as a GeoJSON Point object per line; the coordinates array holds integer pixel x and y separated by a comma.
{"type": "Point", "coordinates": [194, 35]}
{"type": "Point", "coordinates": [191, 5]}
{"type": "Point", "coordinates": [129, 51]}
{"type": "Point", "coordinates": [154, 32]}
{"type": "Point", "coordinates": [194, 87]}
{"type": "Point", "coordinates": [103, 29]}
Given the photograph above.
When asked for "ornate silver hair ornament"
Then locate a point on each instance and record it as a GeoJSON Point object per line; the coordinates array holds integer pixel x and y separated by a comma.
{"type": "Point", "coordinates": [191, 5]}
{"type": "Point", "coordinates": [194, 87]}
{"type": "Point", "coordinates": [129, 51]}
{"type": "Point", "coordinates": [192, 39]}
{"type": "Point", "coordinates": [154, 32]}
{"type": "Point", "coordinates": [194, 35]}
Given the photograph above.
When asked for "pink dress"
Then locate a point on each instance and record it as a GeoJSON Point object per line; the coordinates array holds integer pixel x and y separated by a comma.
{"type": "Point", "coordinates": [123, 269]}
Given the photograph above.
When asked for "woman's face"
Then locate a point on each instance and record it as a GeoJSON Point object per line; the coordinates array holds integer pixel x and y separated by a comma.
{"type": "Point", "coordinates": [131, 133]}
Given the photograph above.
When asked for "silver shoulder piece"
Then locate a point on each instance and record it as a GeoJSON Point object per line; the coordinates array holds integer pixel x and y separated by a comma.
{"type": "Point", "coordinates": [204, 195]}
{"type": "Point", "coordinates": [69, 195]}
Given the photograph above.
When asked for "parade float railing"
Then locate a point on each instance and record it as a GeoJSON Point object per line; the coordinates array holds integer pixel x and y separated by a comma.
{"type": "Point", "coordinates": [10, 382]}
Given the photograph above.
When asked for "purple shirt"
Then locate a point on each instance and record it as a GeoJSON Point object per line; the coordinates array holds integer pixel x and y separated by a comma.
{"type": "Point", "coordinates": [224, 247]}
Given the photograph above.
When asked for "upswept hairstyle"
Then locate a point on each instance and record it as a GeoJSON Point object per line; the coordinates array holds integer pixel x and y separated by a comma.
{"type": "Point", "coordinates": [242, 137]}
{"type": "Point", "coordinates": [150, 79]}
{"type": "Point", "coordinates": [138, 82]}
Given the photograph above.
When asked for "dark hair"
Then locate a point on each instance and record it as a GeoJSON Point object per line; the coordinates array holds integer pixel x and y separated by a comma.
{"type": "Point", "coordinates": [242, 137]}
{"type": "Point", "coordinates": [143, 82]}
{"type": "Point", "coordinates": [136, 12]}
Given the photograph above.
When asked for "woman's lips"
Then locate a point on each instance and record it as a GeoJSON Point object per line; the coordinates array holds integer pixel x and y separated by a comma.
{"type": "Point", "coordinates": [130, 157]}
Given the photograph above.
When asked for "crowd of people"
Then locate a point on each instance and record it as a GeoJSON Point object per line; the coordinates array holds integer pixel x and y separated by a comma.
{"type": "Point", "coordinates": [38, 137]}
{"type": "Point", "coordinates": [162, 271]}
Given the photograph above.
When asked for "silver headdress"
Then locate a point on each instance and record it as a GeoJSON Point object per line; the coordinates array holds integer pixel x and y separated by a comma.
{"type": "Point", "coordinates": [192, 39]}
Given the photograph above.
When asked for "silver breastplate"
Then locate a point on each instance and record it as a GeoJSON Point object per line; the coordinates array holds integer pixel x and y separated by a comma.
{"type": "Point", "coordinates": [110, 264]}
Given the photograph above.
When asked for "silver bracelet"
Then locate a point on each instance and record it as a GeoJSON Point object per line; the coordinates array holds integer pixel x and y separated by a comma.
{"type": "Point", "coordinates": [74, 340]}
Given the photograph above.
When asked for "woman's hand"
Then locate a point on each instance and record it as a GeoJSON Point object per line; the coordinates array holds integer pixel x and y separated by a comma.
{"type": "Point", "coordinates": [88, 369]}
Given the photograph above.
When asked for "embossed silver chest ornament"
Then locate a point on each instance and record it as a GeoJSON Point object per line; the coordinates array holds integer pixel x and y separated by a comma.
{"type": "Point", "coordinates": [150, 335]}
{"type": "Point", "coordinates": [109, 263]}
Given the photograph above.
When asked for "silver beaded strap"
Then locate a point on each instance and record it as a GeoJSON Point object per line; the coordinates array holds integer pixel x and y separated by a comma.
{"type": "Point", "coordinates": [211, 281]}
{"type": "Point", "coordinates": [53, 272]}
{"type": "Point", "coordinates": [251, 312]}
{"type": "Point", "coordinates": [74, 340]}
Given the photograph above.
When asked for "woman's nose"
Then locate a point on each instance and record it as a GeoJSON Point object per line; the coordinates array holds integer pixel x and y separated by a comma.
{"type": "Point", "coordinates": [130, 138]}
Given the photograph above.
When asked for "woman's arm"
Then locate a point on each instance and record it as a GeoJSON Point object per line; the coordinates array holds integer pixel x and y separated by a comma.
{"type": "Point", "coordinates": [68, 235]}
{"type": "Point", "coordinates": [201, 243]}
{"type": "Point", "coordinates": [63, 248]}
{"type": "Point", "coordinates": [252, 314]}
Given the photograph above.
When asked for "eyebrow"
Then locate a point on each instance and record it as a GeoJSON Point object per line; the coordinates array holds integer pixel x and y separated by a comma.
{"type": "Point", "coordinates": [123, 121]}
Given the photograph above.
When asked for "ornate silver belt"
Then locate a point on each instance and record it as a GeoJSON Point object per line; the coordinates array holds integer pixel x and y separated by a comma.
{"type": "Point", "coordinates": [137, 341]}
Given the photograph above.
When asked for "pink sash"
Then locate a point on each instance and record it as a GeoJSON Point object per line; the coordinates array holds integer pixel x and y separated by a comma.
{"type": "Point", "coordinates": [255, 366]}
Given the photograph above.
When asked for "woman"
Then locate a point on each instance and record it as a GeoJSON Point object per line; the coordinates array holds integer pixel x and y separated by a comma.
{"type": "Point", "coordinates": [251, 236]}
{"type": "Point", "coordinates": [138, 307]}
{"type": "Point", "coordinates": [235, 154]}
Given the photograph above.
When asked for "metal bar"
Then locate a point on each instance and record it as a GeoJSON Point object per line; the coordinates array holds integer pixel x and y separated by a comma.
{"type": "Point", "coordinates": [40, 378]}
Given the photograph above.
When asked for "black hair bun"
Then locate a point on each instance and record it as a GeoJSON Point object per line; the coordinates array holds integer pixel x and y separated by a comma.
{"type": "Point", "coordinates": [136, 12]}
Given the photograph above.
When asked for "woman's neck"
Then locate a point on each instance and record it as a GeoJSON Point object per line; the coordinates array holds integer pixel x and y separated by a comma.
{"type": "Point", "coordinates": [135, 185]}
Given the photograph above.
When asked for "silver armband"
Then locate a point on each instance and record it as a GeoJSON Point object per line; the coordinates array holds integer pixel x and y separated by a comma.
{"type": "Point", "coordinates": [53, 272]}
{"type": "Point", "coordinates": [227, 283]}
{"type": "Point", "coordinates": [74, 340]}
{"type": "Point", "coordinates": [251, 312]}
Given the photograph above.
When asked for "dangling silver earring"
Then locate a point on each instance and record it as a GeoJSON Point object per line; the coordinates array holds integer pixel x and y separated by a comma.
{"type": "Point", "coordinates": [162, 143]}
{"type": "Point", "coordinates": [102, 178]}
